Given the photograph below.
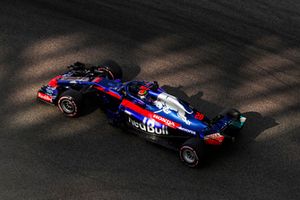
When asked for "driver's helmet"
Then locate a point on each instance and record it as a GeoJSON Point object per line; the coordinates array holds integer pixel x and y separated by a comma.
{"type": "Point", "coordinates": [143, 91]}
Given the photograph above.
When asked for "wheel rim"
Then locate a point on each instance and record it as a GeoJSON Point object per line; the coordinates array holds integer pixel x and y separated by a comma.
{"type": "Point", "coordinates": [108, 73]}
{"type": "Point", "coordinates": [189, 156]}
{"type": "Point", "coordinates": [67, 106]}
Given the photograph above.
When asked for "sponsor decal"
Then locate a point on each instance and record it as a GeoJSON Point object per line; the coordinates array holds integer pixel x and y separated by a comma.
{"type": "Point", "coordinates": [199, 116]}
{"type": "Point", "coordinates": [165, 121]}
{"type": "Point", "coordinates": [49, 90]}
{"type": "Point", "coordinates": [149, 114]}
{"type": "Point", "coordinates": [45, 97]}
{"type": "Point", "coordinates": [148, 125]}
{"type": "Point", "coordinates": [187, 130]}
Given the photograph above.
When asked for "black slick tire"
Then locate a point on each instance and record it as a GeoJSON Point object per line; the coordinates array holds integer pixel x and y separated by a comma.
{"type": "Point", "coordinates": [70, 103]}
{"type": "Point", "coordinates": [112, 69]}
{"type": "Point", "coordinates": [191, 152]}
{"type": "Point", "coordinates": [231, 112]}
{"type": "Point", "coordinates": [234, 113]}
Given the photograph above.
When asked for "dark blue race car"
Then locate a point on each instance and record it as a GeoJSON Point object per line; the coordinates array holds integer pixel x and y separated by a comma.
{"type": "Point", "coordinates": [144, 106]}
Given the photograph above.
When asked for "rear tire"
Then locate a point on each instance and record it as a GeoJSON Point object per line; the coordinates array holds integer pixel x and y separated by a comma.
{"type": "Point", "coordinates": [112, 69]}
{"type": "Point", "coordinates": [191, 152]}
{"type": "Point", "coordinates": [234, 113]}
{"type": "Point", "coordinates": [70, 103]}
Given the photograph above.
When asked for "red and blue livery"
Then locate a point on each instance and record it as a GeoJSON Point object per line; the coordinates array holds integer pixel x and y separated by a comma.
{"type": "Point", "coordinates": [142, 106]}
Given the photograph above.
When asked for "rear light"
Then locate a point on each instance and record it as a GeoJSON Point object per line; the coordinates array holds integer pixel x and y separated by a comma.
{"type": "Point", "coordinates": [214, 139]}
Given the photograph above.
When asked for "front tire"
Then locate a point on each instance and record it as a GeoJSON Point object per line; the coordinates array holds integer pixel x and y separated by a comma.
{"type": "Point", "coordinates": [191, 152]}
{"type": "Point", "coordinates": [70, 103]}
{"type": "Point", "coordinates": [112, 69]}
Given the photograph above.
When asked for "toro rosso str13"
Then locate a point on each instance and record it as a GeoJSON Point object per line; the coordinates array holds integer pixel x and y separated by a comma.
{"type": "Point", "coordinates": [143, 106]}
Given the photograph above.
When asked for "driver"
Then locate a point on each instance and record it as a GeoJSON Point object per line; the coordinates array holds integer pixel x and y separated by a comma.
{"type": "Point", "coordinates": [143, 91]}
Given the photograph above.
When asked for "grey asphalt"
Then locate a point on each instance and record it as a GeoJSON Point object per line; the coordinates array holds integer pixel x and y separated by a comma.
{"type": "Point", "coordinates": [214, 54]}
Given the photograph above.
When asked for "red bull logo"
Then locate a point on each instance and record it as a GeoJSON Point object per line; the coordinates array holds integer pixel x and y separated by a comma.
{"type": "Point", "coordinates": [148, 125]}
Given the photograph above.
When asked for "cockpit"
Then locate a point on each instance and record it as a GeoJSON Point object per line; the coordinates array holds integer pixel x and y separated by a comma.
{"type": "Point", "coordinates": [145, 91]}
{"type": "Point", "coordinates": [150, 93]}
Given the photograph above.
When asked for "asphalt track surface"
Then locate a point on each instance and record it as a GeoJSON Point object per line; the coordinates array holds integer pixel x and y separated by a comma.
{"type": "Point", "coordinates": [214, 54]}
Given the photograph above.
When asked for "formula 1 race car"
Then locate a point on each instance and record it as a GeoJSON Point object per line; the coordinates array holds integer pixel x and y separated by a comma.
{"type": "Point", "coordinates": [143, 106]}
